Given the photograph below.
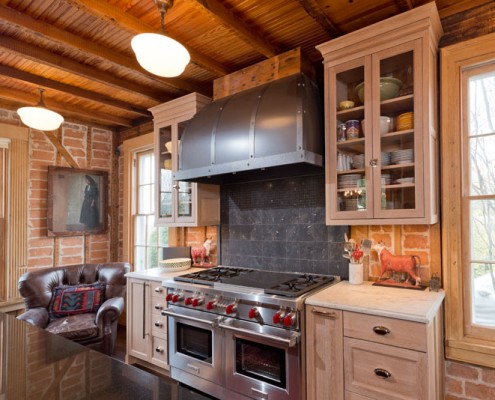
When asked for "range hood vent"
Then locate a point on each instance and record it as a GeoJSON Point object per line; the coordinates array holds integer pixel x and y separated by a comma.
{"type": "Point", "coordinates": [268, 132]}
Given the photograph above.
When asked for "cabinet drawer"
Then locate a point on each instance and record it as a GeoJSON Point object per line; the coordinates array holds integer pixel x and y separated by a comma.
{"type": "Point", "coordinates": [390, 331]}
{"type": "Point", "coordinates": [158, 304]}
{"type": "Point", "coordinates": [355, 396]}
{"type": "Point", "coordinates": [157, 290]}
{"type": "Point", "coordinates": [158, 325]}
{"type": "Point", "coordinates": [159, 354]}
{"type": "Point", "coordinates": [384, 372]}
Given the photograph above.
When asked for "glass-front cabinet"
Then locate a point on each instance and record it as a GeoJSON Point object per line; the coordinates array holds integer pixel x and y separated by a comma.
{"type": "Point", "coordinates": [381, 124]}
{"type": "Point", "coordinates": [180, 203]}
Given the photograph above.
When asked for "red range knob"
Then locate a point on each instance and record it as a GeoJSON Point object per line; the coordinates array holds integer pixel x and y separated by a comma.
{"type": "Point", "coordinates": [277, 317]}
{"type": "Point", "coordinates": [230, 309]}
{"type": "Point", "coordinates": [210, 305]}
{"type": "Point", "coordinates": [188, 301]}
{"type": "Point", "coordinates": [289, 320]}
{"type": "Point", "coordinates": [169, 296]}
{"type": "Point", "coordinates": [197, 302]}
{"type": "Point", "coordinates": [253, 313]}
{"type": "Point", "coordinates": [175, 298]}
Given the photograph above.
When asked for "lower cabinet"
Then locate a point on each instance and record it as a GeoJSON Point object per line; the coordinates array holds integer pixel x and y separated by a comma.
{"type": "Point", "coordinates": [355, 356]}
{"type": "Point", "coordinates": [146, 327]}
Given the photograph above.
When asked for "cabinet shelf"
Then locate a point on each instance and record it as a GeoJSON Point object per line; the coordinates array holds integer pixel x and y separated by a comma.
{"type": "Point", "coordinates": [397, 105]}
{"type": "Point", "coordinates": [351, 113]}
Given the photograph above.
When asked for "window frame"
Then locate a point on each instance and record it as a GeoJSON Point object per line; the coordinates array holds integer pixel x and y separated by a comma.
{"type": "Point", "coordinates": [463, 341]}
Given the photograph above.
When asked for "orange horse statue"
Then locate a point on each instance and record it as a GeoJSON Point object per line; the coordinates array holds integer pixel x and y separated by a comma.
{"type": "Point", "coordinates": [402, 263]}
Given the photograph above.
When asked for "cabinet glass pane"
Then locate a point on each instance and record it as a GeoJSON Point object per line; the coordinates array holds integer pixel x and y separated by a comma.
{"type": "Point", "coordinates": [350, 132]}
{"type": "Point", "coordinates": [165, 193]}
{"type": "Point", "coordinates": [165, 164]}
{"type": "Point", "coordinates": [185, 199]}
{"type": "Point", "coordinates": [394, 126]}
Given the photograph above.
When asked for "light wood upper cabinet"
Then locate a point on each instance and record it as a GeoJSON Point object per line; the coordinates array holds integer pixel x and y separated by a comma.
{"type": "Point", "coordinates": [382, 152]}
{"type": "Point", "coordinates": [180, 203]}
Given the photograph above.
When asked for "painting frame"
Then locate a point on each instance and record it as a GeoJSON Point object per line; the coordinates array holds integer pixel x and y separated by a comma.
{"type": "Point", "coordinates": [77, 201]}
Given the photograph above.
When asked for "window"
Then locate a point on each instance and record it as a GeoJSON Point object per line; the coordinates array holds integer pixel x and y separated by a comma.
{"type": "Point", "coordinates": [468, 199]}
{"type": "Point", "coordinates": [142, 241]}
{"type": "Point", "coordinates": [148, 239]}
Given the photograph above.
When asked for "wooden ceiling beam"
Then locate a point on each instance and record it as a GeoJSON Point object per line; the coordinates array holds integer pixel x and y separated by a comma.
{"type": "Point", "coordinates": [404, 5]}
{"type": "Point", "coordinates": [230, 21]}
{"type": "Point", "coordinates": [116, 16]}
{"type": "Point", "coordinates": [65, 109]}
{"type": "Point", "coordinates": [72, 90]}
{"type": "Point", "coordinates": [52, 33]}
{"type": "Point", "coordinates": [314, 11]}
{"type": "Point", "coordinates": [45, 57]}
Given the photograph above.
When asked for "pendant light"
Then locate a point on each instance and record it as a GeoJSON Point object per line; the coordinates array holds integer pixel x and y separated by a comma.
{"type": "Point", "coordinates": [157, 53]}
{"type": "Point", "coordinates": [40, 117]}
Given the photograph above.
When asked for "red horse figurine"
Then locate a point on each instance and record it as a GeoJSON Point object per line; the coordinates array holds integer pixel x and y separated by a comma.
{"type": "Point", "coordinates": [389, 262]}
{"type": "Point", "coordinates": [201, 252]}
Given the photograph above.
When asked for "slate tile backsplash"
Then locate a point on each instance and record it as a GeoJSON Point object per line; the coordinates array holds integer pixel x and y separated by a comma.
{"type": "Point", "coordinates": [279, 225]}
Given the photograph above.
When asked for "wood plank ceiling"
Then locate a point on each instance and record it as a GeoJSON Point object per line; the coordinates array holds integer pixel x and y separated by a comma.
{"type": "Point", "coordinates": [79, 50]}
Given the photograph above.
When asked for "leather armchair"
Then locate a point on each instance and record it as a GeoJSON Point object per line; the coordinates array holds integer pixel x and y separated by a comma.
{"type": "Point", "coordinates": [95, 330]}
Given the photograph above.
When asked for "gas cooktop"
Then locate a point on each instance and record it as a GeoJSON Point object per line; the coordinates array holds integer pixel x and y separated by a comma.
{"type": "Point", "coordinates": [277, 283]}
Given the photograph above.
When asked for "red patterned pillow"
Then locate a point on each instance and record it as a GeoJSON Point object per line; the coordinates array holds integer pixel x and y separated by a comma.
{"type": "Point", "coordinates": [79, 299]}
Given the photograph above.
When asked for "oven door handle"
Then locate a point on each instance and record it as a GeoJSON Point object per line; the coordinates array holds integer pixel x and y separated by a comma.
{"type": "Point", "coordinates": [290, 342]}
{"type": "Point", "coordinates": [167, 312]}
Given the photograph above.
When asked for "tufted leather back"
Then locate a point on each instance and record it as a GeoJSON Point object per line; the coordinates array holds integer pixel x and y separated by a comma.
{"type": "Point", "coordinates": [36, 286]}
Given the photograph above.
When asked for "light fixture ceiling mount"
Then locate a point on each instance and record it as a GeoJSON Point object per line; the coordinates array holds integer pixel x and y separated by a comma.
{"type": "Point", "coordinates": [40, 117]}
{"type": "Point", "coordinates": [157, 53]}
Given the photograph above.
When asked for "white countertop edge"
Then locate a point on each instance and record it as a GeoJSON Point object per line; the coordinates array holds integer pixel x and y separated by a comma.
{"type": "Point", "coordinates": [156, 274]}
{"type": "Point", "coordinates": [427, 303]}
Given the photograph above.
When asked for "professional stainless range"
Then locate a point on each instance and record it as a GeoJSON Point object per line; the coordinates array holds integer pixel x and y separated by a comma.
{"type": "Point", "coordinates": [237, 333]}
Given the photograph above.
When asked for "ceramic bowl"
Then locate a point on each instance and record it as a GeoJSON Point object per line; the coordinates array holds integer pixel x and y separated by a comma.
{"type": "Point", "coordinates": [389, 88]}
{"type": "Point", "coordinates": [175, 264]}
{"type": "Point", "coordinates": [346, 105]}
{"type": "Point", "coordinates": [385, 125]}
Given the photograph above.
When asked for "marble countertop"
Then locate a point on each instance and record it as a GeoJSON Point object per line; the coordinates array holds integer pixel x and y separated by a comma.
{"type": "Point", "coordinates": [411, 305]}
{"type": "Point", "coordinates": [156, 274]}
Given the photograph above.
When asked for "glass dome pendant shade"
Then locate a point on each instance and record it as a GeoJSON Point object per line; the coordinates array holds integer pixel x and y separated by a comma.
{"type": "Point", "coordinates": [159, 54]}
{"type": "Point", "coordinates": [40, 117]}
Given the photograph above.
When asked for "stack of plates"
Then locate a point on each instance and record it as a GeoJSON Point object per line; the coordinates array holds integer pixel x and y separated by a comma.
{"type": "Point", "coordinates": [386, 179]}
{"type": "Point", "coordinates": [385, 158]}
{"type": "Point", "coordinates": [348, 181]}
{"type": "Point", "coordinates": [405, 180]}
{"type": "Point", "coordinates": [358, 161]}
{"type": "Point", "coordinates": [405, 121]}
{"type": "Point", "coordinates": [350, 204]}
{"type": "Point", "coordinates": [402, 156]}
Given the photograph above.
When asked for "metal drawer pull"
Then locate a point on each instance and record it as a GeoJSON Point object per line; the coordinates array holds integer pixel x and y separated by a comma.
{"type": "Point", "coordinates": [327, 314]}
{"type": "Point", "coordinates": [159, 350]}
{"type": "Point", "coordinates": [158, 306]}
{"type": "Point", "coordinates": [259, 393]}
{"type": "Point", "coordinates": [381, 330]}
{"type": "Point", "coordinates": [289, 342]}
{"type": "Point", "coordinates": [382, 373]}
{"type": "Point", "coordinates": [158, 324]}
{"type": "Point", "coordinates": [158, 289]}
{"type": "Point", "coordinates": [169, 313]}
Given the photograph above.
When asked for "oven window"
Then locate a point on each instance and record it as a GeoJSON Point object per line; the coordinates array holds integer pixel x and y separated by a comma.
{"type": "Point", "coordinates": [194, 342]}
{"type": "Point", "coordinates": [260, 362]}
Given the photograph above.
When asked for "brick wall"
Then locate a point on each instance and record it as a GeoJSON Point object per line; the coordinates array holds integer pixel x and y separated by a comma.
{"type": "Point", "coordinates": [464, 381]}
{"type": "Point", "coordinates": [420, 240]}
{"type": "Point", "coordinates": [91, 148]}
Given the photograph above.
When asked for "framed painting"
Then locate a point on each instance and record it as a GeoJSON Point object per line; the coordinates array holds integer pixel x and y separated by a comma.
{"type": "Point", "coordinates": [77, 201]}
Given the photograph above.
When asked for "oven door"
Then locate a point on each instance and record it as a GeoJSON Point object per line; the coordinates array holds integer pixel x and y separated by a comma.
{"type": "Point", "coordinates": [262, 362]}
{"type": "Point", "coordinates": [195, 343]}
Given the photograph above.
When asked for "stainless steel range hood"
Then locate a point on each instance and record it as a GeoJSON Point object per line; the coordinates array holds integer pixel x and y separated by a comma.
{"type": "Point", "coordinates": [271, 131]}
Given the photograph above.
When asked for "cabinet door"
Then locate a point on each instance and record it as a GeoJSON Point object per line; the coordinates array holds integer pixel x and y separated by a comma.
{"type": "Point", "coordinates": [324, 354]}
{"type": "Point", "coordinates": [398, 132]}
{"type": "Point", "coordinates": [175, 198]}
{"type": "Point", "coordinates": [138, 316]}
{"type": "Point", "coordinates": [349, 141]}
